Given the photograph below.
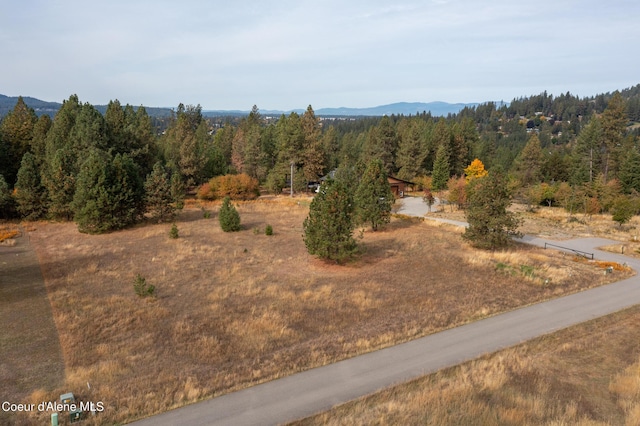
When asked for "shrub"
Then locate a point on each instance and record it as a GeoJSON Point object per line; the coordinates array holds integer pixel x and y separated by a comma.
{"type": "Point", "coordinates": [173, 233]}
{"type": "Point", "coordinates": [141, 287]}
{"type": "Point", "coordinates": [268, 230]}
{"type": "Point", "coordinates": [236, 187]}
{"type": "Point", "coordinates": [229, 217]}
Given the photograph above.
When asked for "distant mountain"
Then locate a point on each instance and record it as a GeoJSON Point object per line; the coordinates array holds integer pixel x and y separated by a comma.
{"type": "Point", "coordinates": [7, 104]}
{"type": "Point", "coordinates": [404, 108]}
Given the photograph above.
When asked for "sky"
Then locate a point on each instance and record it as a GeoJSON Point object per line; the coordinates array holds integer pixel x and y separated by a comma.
{"type": "Point", "coordinates": [289, 54]}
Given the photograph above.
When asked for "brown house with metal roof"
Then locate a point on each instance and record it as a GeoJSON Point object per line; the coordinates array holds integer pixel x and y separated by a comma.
{"type": "Point", "coordinates": [399, 187]}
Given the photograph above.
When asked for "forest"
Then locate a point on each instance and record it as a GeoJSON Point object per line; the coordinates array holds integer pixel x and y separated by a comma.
{"type": "Point", "coordinates": [108, 171]}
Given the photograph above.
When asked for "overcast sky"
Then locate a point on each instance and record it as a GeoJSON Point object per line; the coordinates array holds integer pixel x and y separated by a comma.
{"type": "Point", "coordinates": [289, 54]}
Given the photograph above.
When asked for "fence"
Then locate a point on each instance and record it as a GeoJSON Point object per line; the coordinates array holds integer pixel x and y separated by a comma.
{"type": "Point", "coordinates": [577, 252]}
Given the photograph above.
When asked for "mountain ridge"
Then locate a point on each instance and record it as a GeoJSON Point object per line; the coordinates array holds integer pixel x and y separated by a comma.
{"type": "Point", "coordinates": [436, 108]}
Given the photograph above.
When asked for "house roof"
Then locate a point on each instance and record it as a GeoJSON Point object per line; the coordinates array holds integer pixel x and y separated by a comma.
{"type": "Point", "coordinates": [393, 179]}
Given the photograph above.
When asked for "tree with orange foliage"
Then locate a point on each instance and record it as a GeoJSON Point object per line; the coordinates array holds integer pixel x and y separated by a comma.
{"type": "Point", "coordinates": [475, 170]}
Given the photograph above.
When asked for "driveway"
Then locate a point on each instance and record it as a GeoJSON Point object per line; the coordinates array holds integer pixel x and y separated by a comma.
{"type": "Point", "coordinates": [415, 206]}
{"type": "Point", "coordinates": [316, 390]}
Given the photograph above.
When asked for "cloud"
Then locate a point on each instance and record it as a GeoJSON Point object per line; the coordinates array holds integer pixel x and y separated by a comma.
{"type": "Point", "coordinates": [288, 54]}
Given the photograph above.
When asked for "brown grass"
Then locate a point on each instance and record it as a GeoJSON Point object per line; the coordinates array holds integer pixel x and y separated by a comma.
{"type": "Point", "coordinates": [556, 223]}
{"type": "Point", "coordinates": [236, 309]}
{"type": "Point", "coordinates": [585, 375]}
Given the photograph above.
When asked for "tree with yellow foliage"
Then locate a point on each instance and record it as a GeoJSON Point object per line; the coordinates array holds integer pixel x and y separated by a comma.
{"type": "Point", "coordinates": [475, 170]}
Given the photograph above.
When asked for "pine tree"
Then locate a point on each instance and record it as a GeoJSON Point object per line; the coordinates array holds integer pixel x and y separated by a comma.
{"type": "Point", "coordinates": [529, 163]}
{"type": "Point", "coordinates": [17, 130]}
{"type": "Point", "coordinates": [412, 149]}
{"type": "Point", "coordinates": [623, 210]}
{"type": "Point", "coordinates": [313, 154]}
{"type": "Point", "coordinates": [373, 196]}
{"type": "Point", "coordinates": [109, 193]}
{"type": "Point", "coordinates": [328, 230]}
{"type": "Point", "coordinates": [440, 174]}
{"type": "Point", "coordinates": [61, 161]}
{"type": "Point", "coordinates": [7, 203]}
{"type": "Point", "coordinates": [177, 190]}
{"type": "Point", "coordinates": [382, 144]}
{"type": "Point", "coordinates": [229, 216]}
{"type": "Point", "coordinates": [158, 197]}
{"type": "Point", "coordinates": [91, 202]}
{"type": "Point", "coordinates": [629, 174]}
{"type": "Point", "coordinates": [30, 195]}
{"type": "Point", "coordinates": [491, 226]}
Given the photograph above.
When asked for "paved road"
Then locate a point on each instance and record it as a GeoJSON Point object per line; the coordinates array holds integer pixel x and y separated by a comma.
{"type": "Point", "coordinates": [316, 390]}
{"type": "Point", "coordinates": [414, 206]}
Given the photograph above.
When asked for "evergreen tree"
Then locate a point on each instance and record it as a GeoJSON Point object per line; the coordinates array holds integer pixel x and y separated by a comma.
{"type": "Point", "coordinates": [30, 195]}
{"type": "Point", "coordinates": [328, 230]}
{"type": "Point", "coordinates": [630, 172]}
{"type": "Point", "coordinates": [313, 154]}
{"type": "Point", "coordinates": [623, 210]}
{"type": "Point", "coordinates": [16, 131]}
{"type": "Point", "coordinates": [39, 139]}
{"type": "Point", "coordinates": [91, 202]}
{"type": "Point", "coordinates": [373, 196]}
{"type": "Point", "coordinates": [127, 191]}
{"type": "Point", "coordinates": [586, 159]}
{"type": "Point", "coordinates": [158, 194]}
{"type": "Point", "coordinates": [529, 162]}
{"type": "Point", "coordinates": [229, 216]}
{"type": "Point", "coordinates": [177, 190]}
{"type": "Point", "coordinates": [491, 226]}
{"type": "Point", "coordinates": [440, 174]}
{"type": "Point", "coordinates": [7, 203]}
{"type": "Point", "coordinates": [61, 160]}
{"type": "Point", "coordinates": [614, 121]}
{"type": "Point", "coordinates": [109, 193]}
{"type": "Point", "coordinates": [60, 182]}
{"type": "Point", "coordinates": [382, 144]}
{"type": "Point", "coordinates": [412, 148]}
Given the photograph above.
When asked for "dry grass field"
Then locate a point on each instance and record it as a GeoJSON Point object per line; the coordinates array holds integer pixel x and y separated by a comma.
{"type": "Point", "coordinates": [555, 223]}
{"type": "Point", "coordinates": [236, 309]}
{"type": "Point", "coordinates": [585, 375]}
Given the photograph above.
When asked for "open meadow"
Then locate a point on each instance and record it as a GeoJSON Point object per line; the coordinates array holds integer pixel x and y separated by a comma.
{"type": "Point", "coordinates": [235, 309]}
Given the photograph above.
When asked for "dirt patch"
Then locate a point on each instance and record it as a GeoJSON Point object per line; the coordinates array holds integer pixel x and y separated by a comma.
{"type": "Point", "coordinates": [235, 309]}
{"type": "Point", "coordinates": [30, 353]}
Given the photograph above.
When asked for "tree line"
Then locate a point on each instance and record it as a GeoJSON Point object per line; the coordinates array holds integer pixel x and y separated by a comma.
{"type": "Point", "coordinates": [107, 171]}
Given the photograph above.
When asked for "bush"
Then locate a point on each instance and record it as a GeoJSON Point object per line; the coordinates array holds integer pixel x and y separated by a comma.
{"type": "Point", "coordinates": [141, 287]}
{"type": "Point", "coordinates": [173, 233]}
{"type": "Point", "coordinates": [229, 217]}
{"type": "Point", "coordinates": [268, 230]}
{"type": "Point", "coordinates": [236, 187]}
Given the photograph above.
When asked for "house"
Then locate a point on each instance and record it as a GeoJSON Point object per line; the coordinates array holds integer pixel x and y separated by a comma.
{"type": "Point", "coordinates": [399, 187]}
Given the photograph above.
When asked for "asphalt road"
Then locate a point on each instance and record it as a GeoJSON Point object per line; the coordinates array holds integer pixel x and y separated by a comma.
{"type": "Point", "coordinates": [303, 394]}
